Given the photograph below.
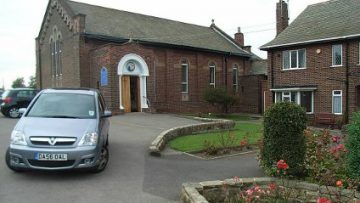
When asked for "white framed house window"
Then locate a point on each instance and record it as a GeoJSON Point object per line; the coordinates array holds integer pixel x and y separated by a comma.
{"type": "Point", "coordinates": [294, 59]}
{"type": "Point", "coordinates": [303, 98]}
{"type": "Point", "coordinates": [184, 77]}
{"type": "Point", "coordinates": [337, 102]}
{"type": "Point", "coordinates": [212, 73]}
{"type": "Point", "coordinates": [235, 78]}
{"type": "Point", "coordinates": [337, 55]}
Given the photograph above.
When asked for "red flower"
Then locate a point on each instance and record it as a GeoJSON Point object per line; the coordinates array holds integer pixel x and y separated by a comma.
{"type": "Point", "coordinates": [335, 139]}
{"type": "Point", "coordinates": [323, 200]}
{"type": "Point", "coordinates": [243, 143]}
{"type": "Point", "coordinates": [340, 147]}
{"type": "Point", "coordinates": [339, 183]}
{"type": "Point", "coordinates": [272, 186]}
{"type": "Point", "coordinates": [282, 165]}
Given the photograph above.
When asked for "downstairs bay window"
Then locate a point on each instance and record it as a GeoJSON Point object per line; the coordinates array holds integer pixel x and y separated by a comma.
{"type": "Point", "coordinates": [303, 98]}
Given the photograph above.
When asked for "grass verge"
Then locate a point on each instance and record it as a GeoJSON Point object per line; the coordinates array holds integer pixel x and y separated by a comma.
{"type": "Point", "coordinates": [192, 143]}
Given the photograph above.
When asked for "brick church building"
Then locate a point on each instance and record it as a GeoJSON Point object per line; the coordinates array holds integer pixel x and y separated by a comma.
{"type": "Point", "coordinates": [145, 63]}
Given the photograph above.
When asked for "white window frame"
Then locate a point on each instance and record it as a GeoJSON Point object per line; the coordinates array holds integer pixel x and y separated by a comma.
{"type": "Point", "coordinates": [187, 77]}
{"type": "Point", "coordinates": [333, 58]}
{"type": "Point", "coordinates": [298, 98]}
{"type": "Point", "coordinates": [341, 102]}
{"type": "Point", "coordinates": [288, 52]}
{"type": "Point", "coordinates": [212, 68]}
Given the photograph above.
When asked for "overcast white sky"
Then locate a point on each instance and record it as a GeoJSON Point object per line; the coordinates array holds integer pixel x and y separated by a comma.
{"type": "Point", "coordinates": [20, 22]}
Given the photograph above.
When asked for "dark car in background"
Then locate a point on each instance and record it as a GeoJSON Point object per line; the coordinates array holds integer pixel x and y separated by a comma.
{"type": "Point", "coordinates": [14, 99]}
{"type": "Point", "coordinates": [1, 92]}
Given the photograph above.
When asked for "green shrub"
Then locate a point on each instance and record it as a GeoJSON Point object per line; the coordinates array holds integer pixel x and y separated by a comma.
{"type": "Point", "coordinates": [284, 139]}
{"type": "Point", "coordinates": [353, 145]}
{"type": "Point", "coordinates": [220, 97]}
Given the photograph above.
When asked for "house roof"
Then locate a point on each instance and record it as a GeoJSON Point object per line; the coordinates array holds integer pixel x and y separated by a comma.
{"type": "Point", "coordinates": [100, 21]}
{"type": "Point", "coordinates": [259, 67]}
{"type": "Point", "coordinates": [327, 21]}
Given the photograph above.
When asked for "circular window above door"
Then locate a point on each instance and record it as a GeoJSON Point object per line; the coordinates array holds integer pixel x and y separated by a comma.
{"type": "Point", "coordinates": [130, 66]}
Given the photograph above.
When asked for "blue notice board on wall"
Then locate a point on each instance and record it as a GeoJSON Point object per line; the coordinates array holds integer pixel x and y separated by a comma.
{"type": "Point", "coordinates": [104, 76]}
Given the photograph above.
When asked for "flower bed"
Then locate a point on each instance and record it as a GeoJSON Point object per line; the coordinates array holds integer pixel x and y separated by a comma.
{"type": "Point", "coordinates": [264, 190]}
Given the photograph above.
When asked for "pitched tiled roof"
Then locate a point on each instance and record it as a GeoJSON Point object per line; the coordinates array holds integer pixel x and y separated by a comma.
{"type": "Point", "coordinates": [122, 24]}
{"type": "Point", "coordinates": [331, 20]}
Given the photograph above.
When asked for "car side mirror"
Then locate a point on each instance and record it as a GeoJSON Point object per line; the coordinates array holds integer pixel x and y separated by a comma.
{"type": "Point", "coordinates": [22, 110]}
{"type": "Point", "coordinates": [107, 114]}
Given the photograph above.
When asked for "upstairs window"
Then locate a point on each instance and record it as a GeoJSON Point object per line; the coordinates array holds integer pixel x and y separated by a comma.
{"type": "Point", "coordinates": [294, 59]}
{"type": "Point", "coordinates": [212, 72]}
{"type": "Point", "coordinates": [235, 77]}
{"type": "Point", "coordinates": [337, 55]}
{"type": "Point", "coordinates": [184, 77]}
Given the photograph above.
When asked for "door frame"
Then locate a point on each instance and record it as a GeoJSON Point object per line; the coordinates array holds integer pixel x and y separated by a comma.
{"type": "Point", "coordinates": [141, 70]}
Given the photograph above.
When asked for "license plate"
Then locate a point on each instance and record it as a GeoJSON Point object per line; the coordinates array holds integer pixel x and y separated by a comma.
{"type": "Point", "coordinates": [50, 157]}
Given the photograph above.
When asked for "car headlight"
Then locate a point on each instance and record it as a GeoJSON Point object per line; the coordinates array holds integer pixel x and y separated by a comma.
{"type": "Point", "coordinates": [18, 138]}
{"type": "Point", "coordinates": [89, 139]}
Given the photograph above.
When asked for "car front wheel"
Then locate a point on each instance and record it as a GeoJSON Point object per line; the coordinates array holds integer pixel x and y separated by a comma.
{"type": "Point", "coordinates": [102, 162]}
{"type": "Point", "coordinates": [13, 112]}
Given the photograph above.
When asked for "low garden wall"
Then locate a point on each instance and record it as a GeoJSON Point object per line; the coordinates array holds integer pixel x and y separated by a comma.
{"type": "Point", "coordinates": [210, 125]}
{"type": "Point", "coordinates": [298, 191]}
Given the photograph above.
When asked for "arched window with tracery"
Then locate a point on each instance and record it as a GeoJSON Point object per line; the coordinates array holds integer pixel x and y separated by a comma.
{"type": "Point", "coordinates": [55, 44]}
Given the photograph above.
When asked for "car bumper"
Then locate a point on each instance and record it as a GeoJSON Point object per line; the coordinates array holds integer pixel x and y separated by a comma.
{"type": "Point", "coordinates": [77, 158]}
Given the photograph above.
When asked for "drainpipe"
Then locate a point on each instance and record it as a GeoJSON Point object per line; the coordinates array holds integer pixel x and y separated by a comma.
{"type": "Point", "coordinates": [346, 116]}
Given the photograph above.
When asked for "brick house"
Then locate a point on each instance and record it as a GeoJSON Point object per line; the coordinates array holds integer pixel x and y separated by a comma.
{"type": "Point", "coordinates": [315, 60]}
{"type": "Point", "coordinates": [144, 63]}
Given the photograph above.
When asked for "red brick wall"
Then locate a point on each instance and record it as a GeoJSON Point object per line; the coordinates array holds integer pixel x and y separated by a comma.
{"type": "Point", "coordinates": [319, 71]}
{"type": "Point", "coordinates": [70, 54]}
{"type": "Point", "coordinates": [163, 84]}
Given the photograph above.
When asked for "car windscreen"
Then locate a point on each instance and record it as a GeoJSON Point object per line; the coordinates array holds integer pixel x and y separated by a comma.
{"type": "Point", "coordinates": [63, 105]}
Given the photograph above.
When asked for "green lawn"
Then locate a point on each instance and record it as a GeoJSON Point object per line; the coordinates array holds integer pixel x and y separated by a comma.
{"type": "Point", "coordinates": [196, 142]}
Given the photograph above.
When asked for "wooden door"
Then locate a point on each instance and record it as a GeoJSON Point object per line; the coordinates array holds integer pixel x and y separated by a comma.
{"type": "Point", "coordinates": [125, 93]}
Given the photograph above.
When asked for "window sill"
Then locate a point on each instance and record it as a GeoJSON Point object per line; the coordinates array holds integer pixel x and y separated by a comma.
{"type": "Point", "coordinates": [338, 114]}
{"type": "Point", "coordinates": [309, 113]}
{"type": "Point", "coordinates": [336, 66]}
{"type": "Point", "coordinates": [291, 69]}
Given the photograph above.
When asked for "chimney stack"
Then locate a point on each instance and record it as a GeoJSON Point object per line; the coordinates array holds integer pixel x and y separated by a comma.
{"type": "Point", "coordinates": [239, 38]}
{"type": "Point", "coordinates": [282, 16]}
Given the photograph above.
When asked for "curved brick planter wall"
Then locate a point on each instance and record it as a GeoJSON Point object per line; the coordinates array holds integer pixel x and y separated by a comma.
{"type": "Point", "coordinates": [211, 125]}
{"type": "Point", "coordinates": [199, 192]}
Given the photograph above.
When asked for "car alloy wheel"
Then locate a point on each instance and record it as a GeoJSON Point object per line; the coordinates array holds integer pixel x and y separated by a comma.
{"type": "Point", "coordinates": [14, 112]}
{"type": "Point", "coordinates": [103, 160]}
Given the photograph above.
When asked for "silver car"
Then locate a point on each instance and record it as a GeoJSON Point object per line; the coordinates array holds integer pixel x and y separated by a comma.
{"type": "Point", "coordinates": [61, 129]}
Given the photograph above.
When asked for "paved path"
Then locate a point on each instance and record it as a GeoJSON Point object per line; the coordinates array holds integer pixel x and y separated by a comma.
{"type": "Point", "coordinates": [132, 174]}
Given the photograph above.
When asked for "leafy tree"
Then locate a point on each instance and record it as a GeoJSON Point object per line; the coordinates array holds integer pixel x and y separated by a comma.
{"type": "Point", "coordinates": [32, 82]}
{"type": "Point", "coordinates": [220, 97]}
{"type": "Point", "coordinates": [19, 82]}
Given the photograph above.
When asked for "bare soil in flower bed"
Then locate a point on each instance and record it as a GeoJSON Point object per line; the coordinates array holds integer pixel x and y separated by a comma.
{"type": "Point", "coordinates": [222, 153]}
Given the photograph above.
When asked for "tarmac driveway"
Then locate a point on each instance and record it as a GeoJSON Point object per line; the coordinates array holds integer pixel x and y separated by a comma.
{"type": "Point", "coordinates": [132, 174]}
